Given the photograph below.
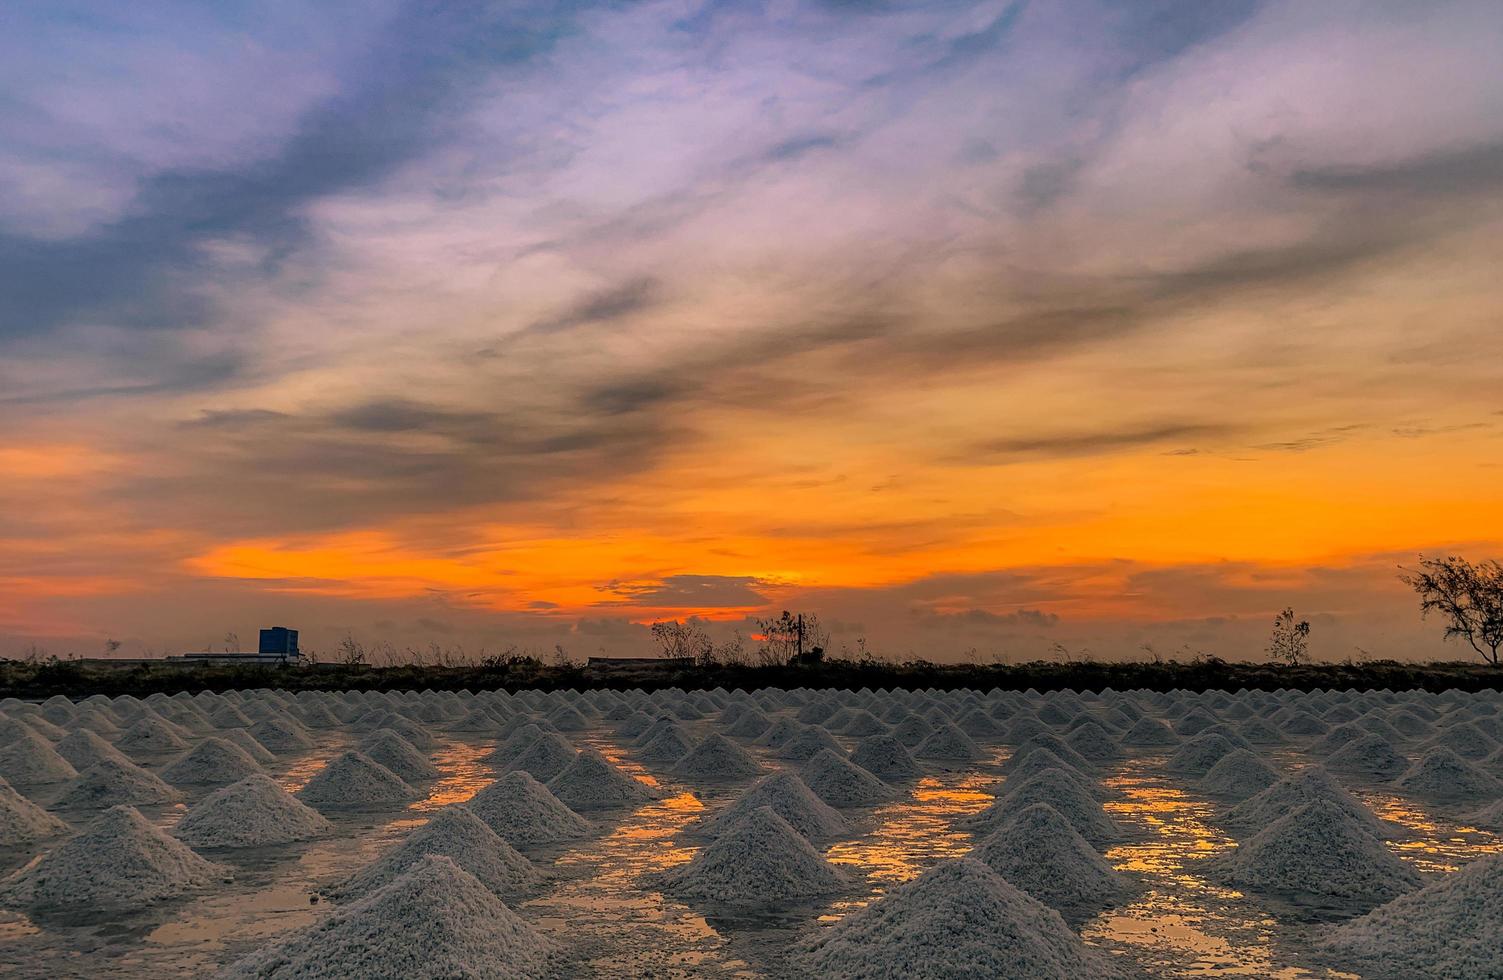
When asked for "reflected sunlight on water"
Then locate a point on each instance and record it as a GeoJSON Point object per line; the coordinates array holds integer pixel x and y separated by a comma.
{"type": "Point", "coordinates": [464, 775]}
{"type": "Point", "coordinates": [1183, 925]}
{"type": "Point", "coordinates": [1437, 844]}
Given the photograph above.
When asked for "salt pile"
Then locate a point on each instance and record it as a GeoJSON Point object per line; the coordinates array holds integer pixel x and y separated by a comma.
{"type": "Point", "coordinates": [120, 861]}
{"type": "Point", "coordinates": [807, 744]}
{"type": "Point", "coordinates": [548, 755]}
{"type": "Point", "coordinates": [455, 833]}
{"type": "Point", "coordinates": [83, 748]}
{"type": "Point", "coordinates": [1368, 755]}
{"type": "Point", "coordinates": [717, 757]}
{"type": "Point", "coordinates": [1292, 793]}
{"type": "Point", "coordinates": [26, 758]}
{"type": "Point", "coordinates": [759, 861]}
{"type": "Point", "coordinates": [1150, 733]}
{"type": "Point", "coordinates": [1038, 851]}
{"type": "Point", "coordinates": [912, 730]}
{"type": "Point", "coordinates": [254, 812]}
{"type": "Point", "coordinates": [1043, 760]}
{"type": "Point", "coordinates": [282, 736]}
{"type": "Point", "coordinates": [1318, 855]}
{"type": "Point", "coordinates": [22, 821]}
{"type": "Point", "coordinates": [397, 754]}
{"type": "Point", "coordinates": [959, 919]}
{"type": "Point", "coordinates": [523, 812]}
{"type": "Point", "coordinates": [355, 781]}
{"type": "Point", "coordinates": [789, 798]}
{"type": "Point", "coordinates": [948, 744]}
{"type": "Point", "coordinates": [151, 735]}
{"type": "Point", "coordinates": [841, 783]}
{"type": "Point", "coordinates": [1466, 740]}
{"type": "Point", "coordinates": [666, 747]}
{"type": "Point", "coordinates": [111, 783]}
{"type": "Point", "coordinates": [1199, 754]}
{"type": "Point", "coordinates": [781, 731]}
{"type": "Point", "coordinates": [436, 922]}
{"type": "Point", "coordinates": [212, 762]}
{"type": "Point", "coordinates": [591, 783]}
{"type": "Point", "coordinates": [1059, 790]}
{"type": "Point", "coordinates": [246, 741]}
{"type": "Point", "coordinates": [1442, 776]}
{"type": "Point", "coordinates": [1239, 775]}
{"type": "Point", "coordinates": [1451, 928]}
{"type": "Point", "coordinates": [885, 757]}
{"type": "Point", "coordinates": [1093, 744]}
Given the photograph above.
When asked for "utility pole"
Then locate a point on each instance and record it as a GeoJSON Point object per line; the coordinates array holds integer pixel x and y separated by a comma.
{"type": "Point", "coordinates": [800, 637]}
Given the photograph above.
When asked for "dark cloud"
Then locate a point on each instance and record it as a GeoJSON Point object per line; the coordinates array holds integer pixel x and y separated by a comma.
{"type": "Point", "coordinates": [1448, 172]}
{"type": "Point", "coordinates": [617, 303]}
{"type": "Point", "coordinates": [981, 618]}
{"type": "Point", "coordinates": [690, 592]}
{"type": "Point", "coordinates": [1090, 443]}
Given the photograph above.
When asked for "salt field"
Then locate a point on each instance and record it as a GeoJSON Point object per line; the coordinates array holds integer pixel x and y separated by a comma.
{"type": "Point", "coordinates": [768, 833]}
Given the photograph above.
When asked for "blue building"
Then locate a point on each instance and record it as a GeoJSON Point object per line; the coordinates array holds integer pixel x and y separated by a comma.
{"type": "Point", "coordinates": [279, 641]}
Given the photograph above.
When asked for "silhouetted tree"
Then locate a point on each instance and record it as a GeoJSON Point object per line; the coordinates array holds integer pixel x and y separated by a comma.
{"type": "Point", "coordinates": [688, 639]}
{"type": "Point", "coordinates": [1291, 640]}
{"type": "Point", "coordinates": [1470, 597]}
{"type": "Point", "coordinates": [791, 638]}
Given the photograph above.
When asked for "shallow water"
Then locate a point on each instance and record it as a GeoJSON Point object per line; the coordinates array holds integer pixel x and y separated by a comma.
{"type": "Point", "coordinates": [600, 901]}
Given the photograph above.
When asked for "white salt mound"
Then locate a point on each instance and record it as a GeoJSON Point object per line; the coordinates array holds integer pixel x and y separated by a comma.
{"type": "Point", "coordinates": [760, 861]}
{"type": "Point", "coordinates": [254, 812]}
{"type": "Point", "coordinates": [436, 922]}
{"type": "Point", "coordinates": [1289, 794]}
{"type": "Point", "coordinates": [282, 736]}
{"type": "Point", "coordinates": [885, 757]}
{"type": "Point", "coordinates": [1061, 791]}
{"type": "Point", "coordinates": [1368, 755]}
{"type": "Point", "coordinates": [83, 748]}
{"type": "Point", "coordinates": [22, 821]}
{"type": "Point", "coordinates": [666, 747]}
{"type": "Point", "coordinates": [151, 735]}
{"type": "Point", "coordinates": [1239, 775]}
{"type": "Point", "coordinates": [948, 744]}
{"type": "Point", "coordinates": [353, 780]}
{"type": "Point", "coordinates": [247, 741]}
{"type": "Point", "coordinates": [1451, 928]}
{"type": "Point", "coordinates": [591, 783]}
{"type": "Point", "coordinates": [456, 833]}
{"type": "Point", "coordinates": [120, 861]}
{"type": "Point", "coordinates": [959, 919]}
{"type": "Point", "coordinates": [112, 783]}
{"type": "Point", "coordinates": [397, 754]}
{"type": "Point", "coordinates": [1038, 851]}
{"type": "Point", "coordinates": [717, 757]}
{"type": "Point", "coordinates": [212, 762]}
{"type": "Point", "coordinates": [1320, 856]}
{"type": "Point", "coordinates": [790, 799]}
{"type": "Point", "coordinates": [26, 758]}
{"type": "Point", "coordinates": [807, 744]}
{"type": "Point", "coordinates": [522, 812]}
{"type": "Point", "coordinates": [1442, 776]}
{"type": "Point", "coordinates": [841, 783]}
{"type": "Point", "coordinates": [547, 756]}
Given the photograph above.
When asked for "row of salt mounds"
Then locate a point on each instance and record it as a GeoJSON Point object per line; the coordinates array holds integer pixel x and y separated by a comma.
{"type": "Point", "coordinates": [1442, 776]}
{"type": "Point", "coordinates": [27, 759]}
{"type": "Point", "coordinates": [1319, 856]}
{"type": "Point", "coordinates": [212, 762]}
{"type": "Point", "coordinates": [523, 812]}
{"type": "Point", "coordinates": [397, 754]}
{"type": "Point", "coordinates": [759, 861]}
{"type": "Point", "coordinates": [435, 921]}
{"type": "Point", "coordinates": [787, 796]}
{"type": "Point", "coordinates": [1060, 790]}
{"type": "Point", "coordinates": [886, 758]}
{"type": "Point", "coordinates": [352, 780]}
{"type": "Point", "coordinates": [113, 783]}
{"type": "Point", "coordinates": [717, 757]}
{"type": "Point", "coordinates": [590, 783]}
{"type": "Point", "coordinates": [1451, 928]}
{"type": "Point", "coordinates": [22, 821]}
{"type": "Point", "coordinates": [1038, 851]}
{"type": "Point", "coordinates": [959, 919]}
{"type": "Point", "coordinates": [455, 833]}
{"type": "Point", "coordinates": [841, 783]}
{"type": "Point", "coordinates": [254, 812]}
{"type": "Point", "coordinates": [120, 861]}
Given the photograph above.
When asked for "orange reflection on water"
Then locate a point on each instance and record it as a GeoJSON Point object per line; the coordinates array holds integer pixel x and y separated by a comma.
{"type": "Point", "coordinates": [1182, 924]}
{"type": "Point", "coordinates": [913, 834]}
{"type": "Point", "coordinates": [1435, 843]}
{"type": "Point", "coordinates": [464, 775]}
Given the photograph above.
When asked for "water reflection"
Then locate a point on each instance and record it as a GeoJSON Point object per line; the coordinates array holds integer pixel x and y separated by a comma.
{"type": "Point", "coordinates": [1436, 843]}
{"type": "Point", "coordinates": [1183, 925]}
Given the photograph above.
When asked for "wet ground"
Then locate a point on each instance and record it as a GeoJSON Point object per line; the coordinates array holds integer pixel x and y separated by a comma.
{"type": "Point", "coordinates": [600, 903]}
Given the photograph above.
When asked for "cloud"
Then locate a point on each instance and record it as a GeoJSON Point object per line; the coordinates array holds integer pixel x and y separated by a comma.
{"type": "Point", "coordinates": [691, 592]}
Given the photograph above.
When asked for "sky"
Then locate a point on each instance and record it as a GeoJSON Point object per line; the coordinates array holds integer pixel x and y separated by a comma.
{"type": "Point", "coordinates": [1001, 329]}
